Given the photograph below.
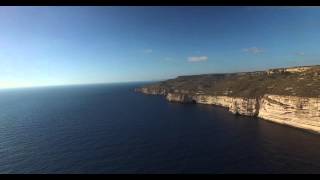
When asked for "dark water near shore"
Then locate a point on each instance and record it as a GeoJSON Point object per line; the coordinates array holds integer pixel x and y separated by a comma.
{"type": "Point", "coordinates": [112, 129]}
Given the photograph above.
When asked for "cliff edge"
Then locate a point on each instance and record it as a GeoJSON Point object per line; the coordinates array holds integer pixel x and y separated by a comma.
{"type": "Point", "coordinates": [288, 96]}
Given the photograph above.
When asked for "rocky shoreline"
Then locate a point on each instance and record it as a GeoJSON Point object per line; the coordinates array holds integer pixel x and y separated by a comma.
{"type": "Point", "coordinates": [293, 110]}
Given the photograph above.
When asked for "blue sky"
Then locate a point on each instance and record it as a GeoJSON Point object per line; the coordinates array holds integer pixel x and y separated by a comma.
{"type": "Point", "coordinates": [41, 46]}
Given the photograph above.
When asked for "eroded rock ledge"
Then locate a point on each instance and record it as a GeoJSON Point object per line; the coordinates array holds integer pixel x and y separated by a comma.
{"type": "Point", "coordinates": [289, 105]}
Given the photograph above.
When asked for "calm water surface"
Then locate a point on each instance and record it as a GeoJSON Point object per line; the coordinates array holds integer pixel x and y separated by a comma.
{"type": "Point", "coordinates": [112, 129]}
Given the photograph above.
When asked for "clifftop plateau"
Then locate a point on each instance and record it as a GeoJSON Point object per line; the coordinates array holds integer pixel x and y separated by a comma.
{"type": "Point", "coordinates": [295, 81]}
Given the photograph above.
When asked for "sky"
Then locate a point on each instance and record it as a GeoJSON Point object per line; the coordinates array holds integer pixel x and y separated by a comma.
{"type": "Point", "coordinates": [44, 46]}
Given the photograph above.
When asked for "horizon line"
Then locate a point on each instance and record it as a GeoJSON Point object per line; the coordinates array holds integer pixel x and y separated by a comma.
{"type": "Point", "coordinates": [142, 81]}
{"type": "Point", "coordinates": [78, 84]}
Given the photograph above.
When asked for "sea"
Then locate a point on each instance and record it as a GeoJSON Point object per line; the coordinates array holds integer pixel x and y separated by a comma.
{"type": "Point", "coordinates": [109, 128]}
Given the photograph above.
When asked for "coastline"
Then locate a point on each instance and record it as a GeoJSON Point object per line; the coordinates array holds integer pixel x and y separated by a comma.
{"type": "Point", "coordinates": [297, 110]}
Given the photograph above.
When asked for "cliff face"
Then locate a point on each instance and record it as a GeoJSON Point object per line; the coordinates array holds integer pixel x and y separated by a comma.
{"type": "Point", "coordinates": [300, 112]}
{"type": "Point", "coordinates": [243, 106]}
{"type": "Point", "coordinates": [152, 91]}
{"type": "Point", "coordinates": [176, 97]}
{"type": "Point", "coordinates": [297, 105]}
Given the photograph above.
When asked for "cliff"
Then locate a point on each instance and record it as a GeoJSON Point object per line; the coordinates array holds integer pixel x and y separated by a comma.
{"type": "Point", "coordinates": [301, 112]}
{"type": "Point", "coordinates": [289, 96]}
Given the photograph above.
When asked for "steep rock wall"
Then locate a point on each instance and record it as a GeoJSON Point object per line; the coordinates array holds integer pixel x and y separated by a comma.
{"type": "Point", "coordinates": [152, 91]}
{"type": "Point", "coordinates": [237, 105]}
{"type": "Point", "coordinates": [295, 111]}
{"type": "Point", "coordinates": [301, 112]}
{"type": "Point", "coordinates": [177, 97]}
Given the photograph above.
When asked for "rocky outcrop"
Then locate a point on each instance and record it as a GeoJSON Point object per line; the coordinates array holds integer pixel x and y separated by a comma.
{"type": "Point", "coordinates": [291, 70]}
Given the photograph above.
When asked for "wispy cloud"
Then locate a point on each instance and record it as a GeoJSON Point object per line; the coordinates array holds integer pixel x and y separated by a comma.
{"type": "Point", "coordinates": [195, 59]}
{"type": "Point", "coordinates": [253, 50]}
{"type": "Point", "coordinates": [147, 51]}
{"type": "Point", "coordinates": [299, 53]}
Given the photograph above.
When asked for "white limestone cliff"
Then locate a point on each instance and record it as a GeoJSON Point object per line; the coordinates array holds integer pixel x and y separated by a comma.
{"type": "Point", "coordinates": [300, 112]}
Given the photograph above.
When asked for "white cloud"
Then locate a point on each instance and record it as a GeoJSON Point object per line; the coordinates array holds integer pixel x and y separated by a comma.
{"type": "Point", "coordinates": [197, 59]}
{"type": "Point", "coordinates": [147, 51]}
{"type": "Point", "coordinates": [253, 50]}
{"type": "Point", "coordinates": [300, 53]}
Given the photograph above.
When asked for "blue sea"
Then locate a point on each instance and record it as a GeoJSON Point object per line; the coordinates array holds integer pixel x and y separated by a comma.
{"type": "Point", "coordinates": [109, 128]}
